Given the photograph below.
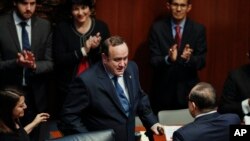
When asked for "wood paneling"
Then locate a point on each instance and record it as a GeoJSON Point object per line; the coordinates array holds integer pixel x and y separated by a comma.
{"type": "Point", "coordinates": [227, 23]}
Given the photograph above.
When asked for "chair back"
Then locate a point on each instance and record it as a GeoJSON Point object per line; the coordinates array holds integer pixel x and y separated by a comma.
{"type": "Point", "coordinates": [138, 121]}
{"type": "Point", "coordinates": [175, 117]}
{"type": "Point", "coordinates": [105, 135]}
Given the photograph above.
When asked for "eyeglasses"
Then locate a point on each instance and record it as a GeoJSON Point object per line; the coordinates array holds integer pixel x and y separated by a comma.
{"type": "Point", "coordinates": [176, 5]}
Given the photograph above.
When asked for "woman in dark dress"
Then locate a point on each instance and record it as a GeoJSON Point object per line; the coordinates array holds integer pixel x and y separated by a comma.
{"type": "Point", "coordinates": [77, 43]}
{"type": "Point", "coordinates": [12, 106]}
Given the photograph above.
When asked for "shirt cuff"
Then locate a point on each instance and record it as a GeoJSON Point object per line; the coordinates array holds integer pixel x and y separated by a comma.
{"type": "Point", "coordinates": [83, 52]}
{"type": "Point", "coordinates": [247, 120]}
{"type": "Point", "coordinates": [166, 60]}
{"type": "Point", "coordinates": [245, 106]}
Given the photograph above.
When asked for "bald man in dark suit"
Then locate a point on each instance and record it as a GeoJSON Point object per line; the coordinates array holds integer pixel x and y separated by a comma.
{"type": "Point", "coordinates": [208, 125]}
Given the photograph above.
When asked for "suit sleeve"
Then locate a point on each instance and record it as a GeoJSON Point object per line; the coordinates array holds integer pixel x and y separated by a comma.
{"type": "Point", "coordinates": [44, 61]}
{"type": "Point", "coordinates": [177, 136]}
{"type": "Point", "coordinates": [75, 103]}
{"type": "Point", "coordinates": [230, 101]}
{"type": "Point", "coordinates": [198, 58]}
{"type": "Point", "coordinates": [144, 110]}
{"type": "Point", "coordinates": [65, 47]}
{"type": "Point", "coordinates": [158, 47]}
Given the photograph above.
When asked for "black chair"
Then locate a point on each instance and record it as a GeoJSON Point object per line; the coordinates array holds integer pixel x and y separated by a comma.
{"type": "Point", "coordinates": [104, 135]}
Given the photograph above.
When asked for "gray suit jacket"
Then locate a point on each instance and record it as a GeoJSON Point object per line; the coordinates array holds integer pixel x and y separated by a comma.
{"type": "Point", "coordinates": [41, 42]}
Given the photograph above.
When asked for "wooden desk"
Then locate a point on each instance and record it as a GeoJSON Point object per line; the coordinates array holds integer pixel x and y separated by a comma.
{"type": "Point", "coordinates": [156, 138]}
{"type": "Point", "coordinates": [58, 134]}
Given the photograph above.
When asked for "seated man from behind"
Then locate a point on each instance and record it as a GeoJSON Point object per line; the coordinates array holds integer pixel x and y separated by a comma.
{"type": "Point", "coordinates": [208, 125]}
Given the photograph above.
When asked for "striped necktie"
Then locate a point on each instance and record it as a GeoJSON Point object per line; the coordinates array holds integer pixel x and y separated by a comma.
{"type": "Point", "coordinates": [121, 95]}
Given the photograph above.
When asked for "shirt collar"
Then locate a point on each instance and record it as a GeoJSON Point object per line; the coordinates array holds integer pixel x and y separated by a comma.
{"type": "Point", "coordinates": [205, 114]}
{"type": "Point", "coordinates": [181, 24]}
{"type": "Point", "coordinates": [110, 74]}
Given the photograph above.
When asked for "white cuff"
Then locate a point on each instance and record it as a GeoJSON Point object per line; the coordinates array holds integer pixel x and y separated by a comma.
{"type": "Point", "coordinates": [83, 52]}
{"type": "Point", "coordinates": [245, 106]}
{"type": "Point", "coordinates": [247, 120]}
{"type": "Point", "coordinates": [166, 60]}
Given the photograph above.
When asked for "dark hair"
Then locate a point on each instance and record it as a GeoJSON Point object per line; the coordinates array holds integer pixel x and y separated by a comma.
{"type": "Point", "coordinates": [17, 1]}
{"type": "Point", "coordinates": [189, 1]}
{"type": "Point", "coordinates": [112, 41]}
{"type": "Point", "coordinates": [204, 96]}
{"type": "Point", "coordinates": [70, 3]}
{"type": "Point", "coordinates": [8, 99]}
{"type": "Point", "coordinates": [88, 3]}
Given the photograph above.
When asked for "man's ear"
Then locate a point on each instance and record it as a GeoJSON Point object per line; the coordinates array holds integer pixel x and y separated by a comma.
{"type": "Point", "coordinates": [168, 6]}
{"type": "Point", "coordinates": [189, 7]}
{"type": "Point", "coordinates": [104, 58]}
{"type": "Point", "coordinates": [193, 106]}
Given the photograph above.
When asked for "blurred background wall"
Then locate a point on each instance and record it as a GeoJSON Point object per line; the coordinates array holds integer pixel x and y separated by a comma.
{"type": "Point", "coordinates": [227, 23]}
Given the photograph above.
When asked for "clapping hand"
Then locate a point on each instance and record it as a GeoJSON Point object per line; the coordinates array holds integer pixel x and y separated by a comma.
{"type": "Point", "coordinates": [93, 42]}
{"type": "Point", "coordinates": [187, 52]}
{"type": "Point", "coordinates": [26, 59]}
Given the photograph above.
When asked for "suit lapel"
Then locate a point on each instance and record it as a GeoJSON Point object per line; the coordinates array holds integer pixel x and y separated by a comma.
{"type": "Point", "coordinates": [108, 86]}
{"type": "Point", "coordinates": [128, 82]}
{"type": "Point", "coordinates": [186, 34]}
{"type": "Point", "coordinates": [34, 36]}
{"type": "Point", "coordinates": [13, 32]}
{"type": "Point", "coordinates": [169, 35]}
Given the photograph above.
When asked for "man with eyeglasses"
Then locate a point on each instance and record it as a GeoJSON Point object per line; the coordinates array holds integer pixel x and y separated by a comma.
{"type": "Point", "coordinates": [178, 50]}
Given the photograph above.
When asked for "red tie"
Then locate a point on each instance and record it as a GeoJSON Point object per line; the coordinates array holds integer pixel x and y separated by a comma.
{"type": "Point", "coordinates": [178, 35]}
{"type": "Point", "coordinates": [83, 65]}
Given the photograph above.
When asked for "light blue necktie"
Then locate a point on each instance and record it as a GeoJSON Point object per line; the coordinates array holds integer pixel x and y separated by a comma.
{"type": "Point", "coordinates": [25, 37]}
{"type": "Point", "coordinates": [121, 95]}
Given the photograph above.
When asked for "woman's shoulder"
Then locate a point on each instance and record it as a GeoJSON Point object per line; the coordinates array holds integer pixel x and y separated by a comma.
{"type": "Point", "coordinates": [65, 23]}
{"type": "Point", "coordinates": [99, 22]}
{"type": "Point", "coordinates": [18, 135]}
{"type": "Point", "coordinates": [102, 27]}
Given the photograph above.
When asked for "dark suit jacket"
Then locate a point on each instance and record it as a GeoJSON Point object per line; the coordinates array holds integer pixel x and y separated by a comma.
{"type": "Point", "coordinates": [10, 72]}
{"type": "Point", "coordinates": [172, 82]}
{"type": "Point", "coordinates": [211, 127]}
{"type": "Point", "coordinates": [236, 89]}
{"type": "Point", "coordinates": [92, 104]}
